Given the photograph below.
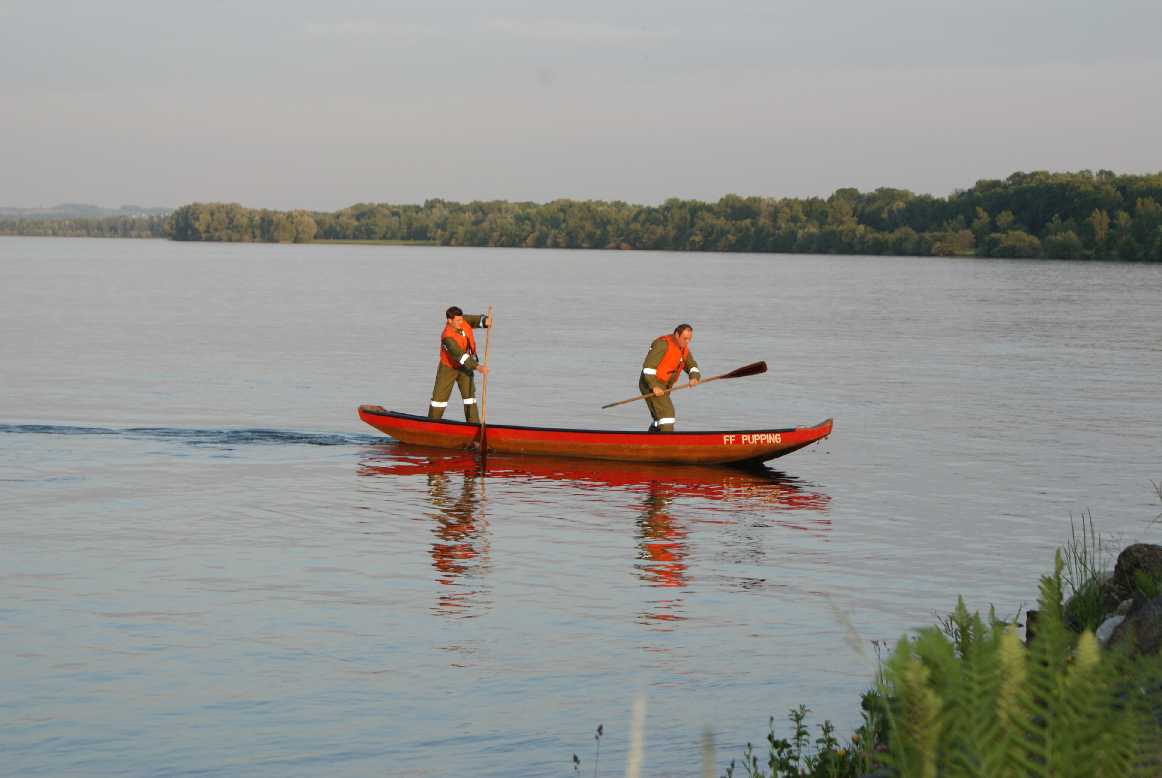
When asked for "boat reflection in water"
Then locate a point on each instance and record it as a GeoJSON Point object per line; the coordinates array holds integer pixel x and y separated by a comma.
{"type": "Point", "coordinates": [662, 553]}
{"type": "Point", "coordinates": [668, 501]}
{"type": "Point", "coordinates": [460, 551]}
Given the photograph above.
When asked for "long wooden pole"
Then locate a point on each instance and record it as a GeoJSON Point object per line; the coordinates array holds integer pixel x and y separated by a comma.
{"type": "Point", "coordinates": [484, 390]}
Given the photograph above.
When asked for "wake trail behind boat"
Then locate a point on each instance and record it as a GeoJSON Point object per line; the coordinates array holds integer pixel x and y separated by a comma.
{"type": "Point", "coordinates": [201, 437]}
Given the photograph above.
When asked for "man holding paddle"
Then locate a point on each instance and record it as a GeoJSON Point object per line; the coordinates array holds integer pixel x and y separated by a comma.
{"type": "Point", "coordinates": [458, 361]}
{"type": "Point", "coordinates": [668, 356]}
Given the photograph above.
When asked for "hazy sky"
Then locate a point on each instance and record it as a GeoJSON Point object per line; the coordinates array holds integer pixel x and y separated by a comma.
{"type": "Point", "coordinates": [296, 104]}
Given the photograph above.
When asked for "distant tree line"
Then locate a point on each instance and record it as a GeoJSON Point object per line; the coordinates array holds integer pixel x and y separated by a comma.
{"type": "Point", "coordinates": [79, 211]}
{"type": "Point", "coordinates": [1079, 215]}
{"type": "Point", "coordinates": [231, 222]}
{"type": "Point", "coordinates": [100, 227]}
{"type": "Point", "coordinates": [1066, 215]}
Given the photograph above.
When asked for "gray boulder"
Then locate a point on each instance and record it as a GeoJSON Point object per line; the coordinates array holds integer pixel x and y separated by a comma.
{"type": "Point", "coordinates": [1142, 628]}
{"type": "Point", "coordinates": [1144, 557]}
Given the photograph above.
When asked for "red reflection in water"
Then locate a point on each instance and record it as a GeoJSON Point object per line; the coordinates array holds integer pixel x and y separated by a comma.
{"type": "Point", "coordinates": [662, 541]}
{"type": "Point", "coordinates": [662, 553]}
{"type": "Point", "coordinates": [460, 552]}
{"type": "Point", "coordinates": [663, 538]}
{"type": "Point", "coordinates": [724, 484]}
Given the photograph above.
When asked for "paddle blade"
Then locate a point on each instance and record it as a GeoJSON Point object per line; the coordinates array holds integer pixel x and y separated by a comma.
{"type": "Point", "coordinates": [754, 368]}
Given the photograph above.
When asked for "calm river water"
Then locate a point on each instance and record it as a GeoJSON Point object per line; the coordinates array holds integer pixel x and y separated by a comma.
{"type": "Point", "coordinates": [210, 567]}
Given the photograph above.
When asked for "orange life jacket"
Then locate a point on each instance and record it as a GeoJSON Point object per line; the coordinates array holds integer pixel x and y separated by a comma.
{"type": "Point", "coordinates": [466, 342]}
{"type": "Point", "coordinates": [673, 361]}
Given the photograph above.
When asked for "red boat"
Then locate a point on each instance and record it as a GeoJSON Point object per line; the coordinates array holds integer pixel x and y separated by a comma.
{"type": "Point", "coordinates": [689, 448]}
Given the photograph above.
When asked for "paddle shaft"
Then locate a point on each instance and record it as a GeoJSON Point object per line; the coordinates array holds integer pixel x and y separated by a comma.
{"type": "Point", "coordinates": [671, 389]}
{"type": "Point", "coordinates": [731, 374]}
{"type": "Point", "coordinates": [484, 387]}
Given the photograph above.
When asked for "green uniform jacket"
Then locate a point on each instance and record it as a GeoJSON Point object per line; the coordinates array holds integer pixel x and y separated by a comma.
{"type": "Point", "coordinates": [454, 349]}
{"type": "Point", "coordinates": [654, 358]}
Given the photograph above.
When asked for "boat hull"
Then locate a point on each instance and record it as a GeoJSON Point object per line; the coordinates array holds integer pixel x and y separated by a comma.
{"type": "Point", "coordinates": [692, 448]}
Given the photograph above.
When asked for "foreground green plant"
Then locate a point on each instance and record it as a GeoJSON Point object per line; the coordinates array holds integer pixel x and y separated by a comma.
{"type": "Point", "coordinates": [969, 698]}
{"type": "Point", "coordinates": [827, 758]}
{"type": "Point", "coordinates": [985, 704]}
{"type": "Point", "coordinates": [1085, 562]}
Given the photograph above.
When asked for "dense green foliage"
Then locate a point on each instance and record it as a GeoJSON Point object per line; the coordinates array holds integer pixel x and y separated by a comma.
{"type": "Point", "coordinates": [981, 703]}
{"type": "Point", "coordinates": [1062, 215]}
{"type": "Point", "coordinates": [91, 227]}
{"type": "Point", "coordinates": [969, 698]}
{"type": "Point", "coordinates": [232, 222]}
{"type": "Point", "coordinates": [1085, 563]}
{"type": "Point", "coordinates": [827, 757]}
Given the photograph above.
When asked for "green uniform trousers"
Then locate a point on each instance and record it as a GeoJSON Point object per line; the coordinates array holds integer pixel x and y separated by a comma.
{"type": "Point", "coordinates": [661, 408]}
{"type": "Point", "coordinates": [446, 378]}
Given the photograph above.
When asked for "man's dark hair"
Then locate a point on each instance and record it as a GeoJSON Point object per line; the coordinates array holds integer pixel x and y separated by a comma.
{"type": "Point", "coordinates": [453, 312]}
{"type": "Point", "coordinates": [681, 328]}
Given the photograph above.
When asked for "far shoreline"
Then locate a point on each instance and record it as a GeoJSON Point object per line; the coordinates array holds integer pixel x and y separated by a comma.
{"type": "Point", "coordinates": [1038, 215]}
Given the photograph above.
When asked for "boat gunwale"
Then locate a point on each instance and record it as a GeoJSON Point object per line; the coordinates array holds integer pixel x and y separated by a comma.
{"type": "Point", "coordinates": [669, 435]}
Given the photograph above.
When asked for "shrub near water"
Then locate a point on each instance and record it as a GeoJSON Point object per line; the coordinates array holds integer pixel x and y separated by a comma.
{"type": "Point", "coordinates": [971, 699]}
{"type": "Point", "coordinates": [795, 757]}
{"type": "Point", "coordinates": [1085, 561]}
{"type": "Point", "coordinates": [985, 704]}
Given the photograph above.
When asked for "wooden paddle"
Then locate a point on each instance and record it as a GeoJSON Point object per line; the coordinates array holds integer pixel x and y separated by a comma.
{"type": "Point", "coordinates": [754, 368]}
{"type": "Point", "coordinates": [484, 390]}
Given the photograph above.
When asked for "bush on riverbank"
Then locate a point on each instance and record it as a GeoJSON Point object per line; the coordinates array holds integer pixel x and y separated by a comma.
{"type": "Point", "coordinates": [981, 702]}
{"type": "Point", "coordinates": [969, 698]}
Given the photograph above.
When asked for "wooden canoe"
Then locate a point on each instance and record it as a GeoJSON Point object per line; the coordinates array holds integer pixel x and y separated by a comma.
{"type": "Point", "coordinates": [690, 448]}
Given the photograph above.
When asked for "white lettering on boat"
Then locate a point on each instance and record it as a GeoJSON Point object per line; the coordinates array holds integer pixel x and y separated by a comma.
{"type": "Point", "coordinates": [753, 439]}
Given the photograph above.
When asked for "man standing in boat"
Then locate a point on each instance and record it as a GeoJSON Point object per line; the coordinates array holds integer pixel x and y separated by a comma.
{"type": "Point", "coordinates": [668, 356]}
{"type": "Point", "coordinates": [458, 361]}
